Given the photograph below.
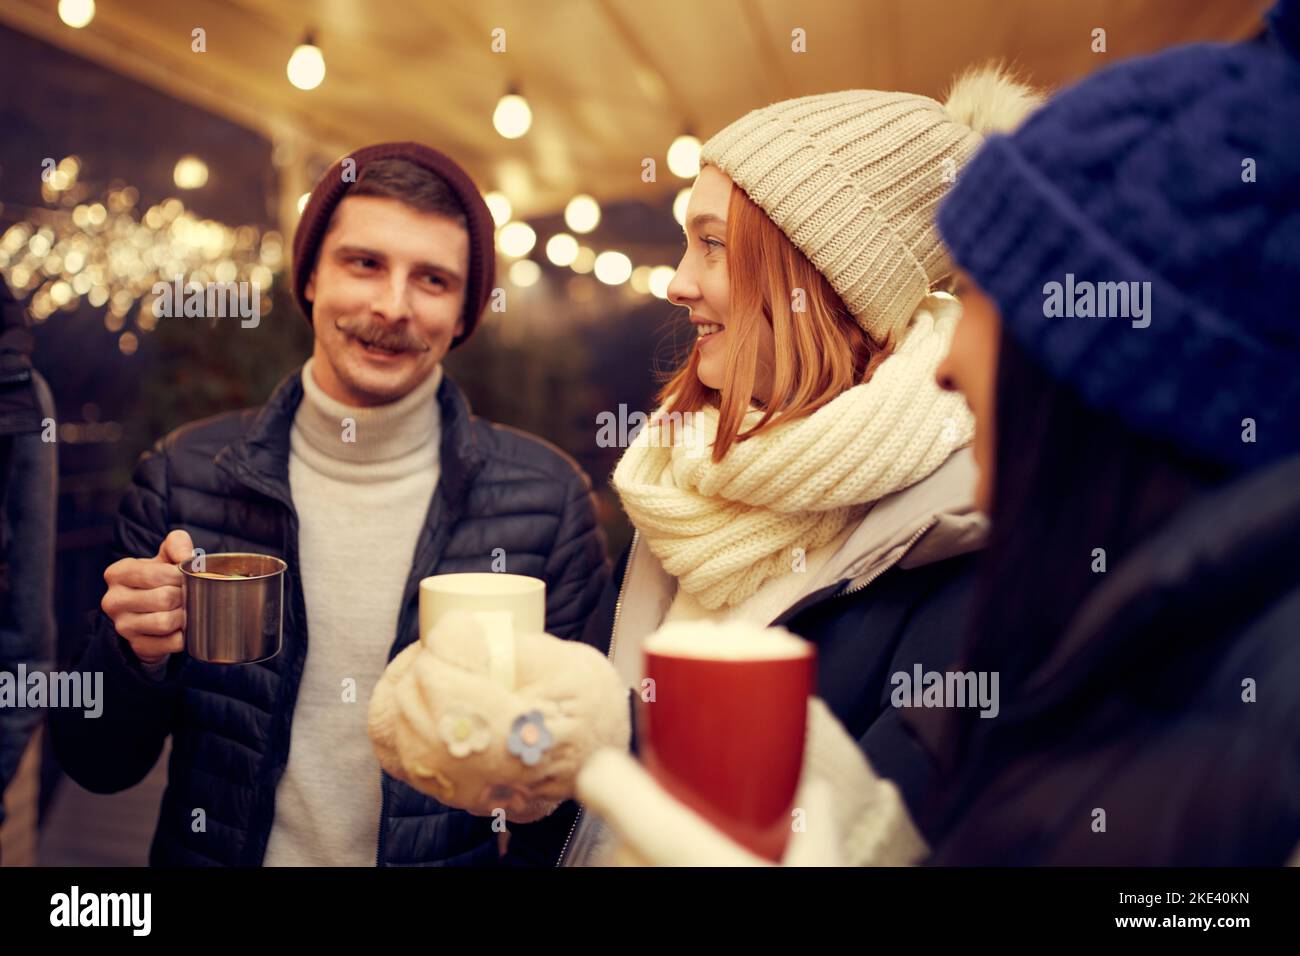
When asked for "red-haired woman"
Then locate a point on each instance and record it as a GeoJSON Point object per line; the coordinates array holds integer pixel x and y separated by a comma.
{"type": "Point", "coordinates": [806, 470]}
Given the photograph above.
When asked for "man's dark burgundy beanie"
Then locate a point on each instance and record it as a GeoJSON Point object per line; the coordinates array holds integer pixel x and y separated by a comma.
{"type": "Point", "coordinates": [331, 188]}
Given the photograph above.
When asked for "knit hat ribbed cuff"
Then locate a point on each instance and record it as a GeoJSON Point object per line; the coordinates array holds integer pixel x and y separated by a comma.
{"type": "Point", "coordinates": [779, 168]}
{"type": "Point", "coordinates": [1014, 232]}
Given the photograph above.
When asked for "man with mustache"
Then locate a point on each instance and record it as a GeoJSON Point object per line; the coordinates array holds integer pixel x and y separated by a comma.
{"type": "Point", "coordinates": [365, 472]}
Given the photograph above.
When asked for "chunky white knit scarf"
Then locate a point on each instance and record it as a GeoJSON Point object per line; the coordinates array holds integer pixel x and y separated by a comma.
{"type": "Point", "coordinates": [723, 529]}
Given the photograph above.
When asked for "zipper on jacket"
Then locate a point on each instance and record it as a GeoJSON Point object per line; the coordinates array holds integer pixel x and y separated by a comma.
{"type": "Point", "coordinates": [293, 670]}
{"type": "Point", "coordinates": [899, 557]}
{"type": "Point", "coordinates": [817, 597]}
{"type": "Point", "coordinates": [613, 633]}
{"type": "Point", "coordinates": [622, 586]}
{"type": "Point", "coordinates": [442, 515]}
{"type": "Point", "coordinates": [381, 839]}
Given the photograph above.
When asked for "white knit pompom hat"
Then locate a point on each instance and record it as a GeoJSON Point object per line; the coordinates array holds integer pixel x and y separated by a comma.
{"type": "Point", "coordinates": [853, 179]}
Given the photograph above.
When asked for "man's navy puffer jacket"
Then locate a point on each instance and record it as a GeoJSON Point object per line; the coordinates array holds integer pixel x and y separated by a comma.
{"type": "Point", "coordinates": [225, 480]}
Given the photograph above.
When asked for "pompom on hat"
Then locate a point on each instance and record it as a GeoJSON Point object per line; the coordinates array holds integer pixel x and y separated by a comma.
{"type": "Point", "coordinates": [854, 178]}
{"type": "Point", "coordinates": [1175, 176]}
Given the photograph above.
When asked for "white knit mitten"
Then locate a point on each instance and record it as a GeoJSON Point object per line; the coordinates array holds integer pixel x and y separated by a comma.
{"type": "Point", "coordinates": [490, 727]}
{"type": "Point", "coordinates": [870, 815]}
{"type": "Point", "coordinates": [844, 813]}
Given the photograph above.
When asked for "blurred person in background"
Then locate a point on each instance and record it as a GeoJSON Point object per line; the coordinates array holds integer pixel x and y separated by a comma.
{"type": "Point", "coordinates": [28, 496]}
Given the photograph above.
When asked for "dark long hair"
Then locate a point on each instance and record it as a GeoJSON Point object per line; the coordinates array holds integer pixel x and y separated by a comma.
{"type": "Point", "coordinates": [1068, 479]}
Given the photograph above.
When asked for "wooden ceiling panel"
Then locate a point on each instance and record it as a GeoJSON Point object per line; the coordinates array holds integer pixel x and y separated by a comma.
{"type": "Point", "coordinates": [609, 81]}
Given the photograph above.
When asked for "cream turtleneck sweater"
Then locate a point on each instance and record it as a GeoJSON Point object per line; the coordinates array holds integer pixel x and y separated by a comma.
{"type": "Point", "coordinates": [362, 492]}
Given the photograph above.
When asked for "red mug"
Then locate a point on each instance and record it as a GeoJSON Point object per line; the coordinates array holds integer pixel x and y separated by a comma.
{"type": "Point", "coordinates": [723, 728]}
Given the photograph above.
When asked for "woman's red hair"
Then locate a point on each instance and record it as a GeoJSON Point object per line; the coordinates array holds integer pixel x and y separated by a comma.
{"type": "Point", "coordinates": [820, 351]}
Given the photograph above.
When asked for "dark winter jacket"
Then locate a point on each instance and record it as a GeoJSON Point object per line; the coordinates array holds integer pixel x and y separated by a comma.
{"type": "Point", "coordinates": [1165, 727]}
{"type": "Point", "coordinates": [225, 480]}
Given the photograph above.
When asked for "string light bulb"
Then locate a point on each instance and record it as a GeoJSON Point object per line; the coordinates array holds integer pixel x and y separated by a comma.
{"type": "Point", "coordinates": [76, 13]}
{"type": "Point", "coordinates": [306, 68]}
{"type": "Point", "coordinates": [582, 214]}
{"type": "Point", "coordinates": [684, 156]}
{"type": "Point", "coordinates": [513, 116]}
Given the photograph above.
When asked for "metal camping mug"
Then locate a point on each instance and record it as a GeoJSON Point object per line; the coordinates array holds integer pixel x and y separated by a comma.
{"type": "Point", "coordinates": [233, 607]}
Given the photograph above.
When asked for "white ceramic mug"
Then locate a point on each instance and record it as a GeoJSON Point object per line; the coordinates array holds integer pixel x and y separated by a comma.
{"type": "Point", "coordinates": [505, 604]}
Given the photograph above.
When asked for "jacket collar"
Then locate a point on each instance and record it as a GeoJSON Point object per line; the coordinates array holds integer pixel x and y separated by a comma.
{"type": "Point", "coordinates": [922, 524]}
{"type": "Point", "coordinates": [259, 458]}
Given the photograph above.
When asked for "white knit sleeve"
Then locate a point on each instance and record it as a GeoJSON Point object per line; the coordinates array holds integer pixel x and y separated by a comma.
{"type": "Point", "coordinates": [870, 814]}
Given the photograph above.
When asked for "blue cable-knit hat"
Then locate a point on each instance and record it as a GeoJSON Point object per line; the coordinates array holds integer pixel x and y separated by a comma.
{"type": "Point", "coordinates": [1141, 236]}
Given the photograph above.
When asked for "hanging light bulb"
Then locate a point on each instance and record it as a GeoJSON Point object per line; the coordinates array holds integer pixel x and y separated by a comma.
{"type": "Point", "coordinates": [499, 205]}
{"type": "Point", "coordinates": [76, 13]}
{"type": "Point", "coordinates": [513, 115]}
{"type": "Point", "coordinates": [684, 156]}
{"type": "Point", "coordinates": [562, 249]}
{"type": "Point", "coordinates": [680, 202]}
{"type": "Point", "coordinates": [306, 67]}
{"type": "Point", "coordinates": [612, 268]}
{"type": "Point", "coordinates": [524, 272]}
{"type": "Point", "coordinates": [582, 214]}
{"type": "Point", "coordinates": [660, 276]}
{"type": "Point", "coordinates": [190, 172]}
{"type": "Point", "coordinates": [641, 279]}
{"type": "Point", "coordinates": [516, 239]}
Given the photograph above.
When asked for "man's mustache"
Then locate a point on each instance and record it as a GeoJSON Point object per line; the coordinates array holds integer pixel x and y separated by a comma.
{"type": "Point", "coordinates": [396, 339]}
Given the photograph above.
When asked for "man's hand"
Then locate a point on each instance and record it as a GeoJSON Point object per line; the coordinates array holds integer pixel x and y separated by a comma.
{"type": "Point", "coordinates": [146, 599]}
